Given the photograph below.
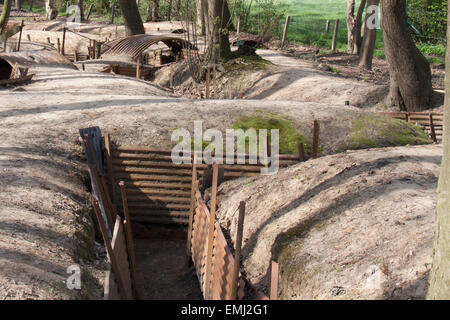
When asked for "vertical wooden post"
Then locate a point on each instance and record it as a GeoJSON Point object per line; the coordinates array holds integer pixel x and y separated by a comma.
{"type": "Point", "coordinates": [63, 41]}
{"type": "Point", "coordinates": [59, 46]}
{"type": "Point", "coordinates": [82, 66]}
{"type": "Point", "coordinates": [89, 11]}
{"type": "Point", "coordinates": [94, 49]}
{"type": "Point", "coordinates": [301, 152]}
{"type": "Point", "coordinates": [335, 34]}
{"type": "Point", "coordinates": [214, 81]}
{"type": "Point", "coordinates": [212, 218]}
{"type": "Point", "coordinates": [237, 251]}
{"type": "Point", "coordinates": [109, 250]}
{"type": "Point", "coordinates": [112, 14]}
{"type": "Point", "coordinates": [76, 56]}
{"type": "Point", "coordinates": [171, 77]}
{"type": "Point", "coordinates": [138, 68]}
{"type": "Point", "coordinates": [407, 116]}
{"type": "Point", "coordinates": [315, 145]}
{"type": "Point", "coordinates": [238, 25]}
{"type": "Point", "coordinates": [191, 210]}
{"type": "Point", "coordinates": [432, 131]}
{"type": "Point", "coordinates": [109, 167]}
{"type": "Point", "coordinates": [286, 26]}
{"type": "Point", "coordinates": [29, 37]}
{"type": "Point", "coordinates": [130, 242]}
{"type": "Point", "coordinates": [48, 40]}
{"type": "Point", "coordinates": [207, 84]}
{"type": "Point", "coordinates": [20, 35]}
{"type": "Point", "coordinates": [274, 281]}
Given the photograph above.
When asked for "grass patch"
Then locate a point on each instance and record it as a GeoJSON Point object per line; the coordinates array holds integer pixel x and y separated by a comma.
{"type": "Point", "coordinates": [378, 131]}
{"type": "Point", "coordinates": [289, 137]}
{"type": "Point", "coordinates": [240, 63]}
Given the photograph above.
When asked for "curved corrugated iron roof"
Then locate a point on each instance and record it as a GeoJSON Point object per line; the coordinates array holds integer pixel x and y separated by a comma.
{"type": "Point", "coordinates": [36, 57]}
{"type": "Point", "coordinates": [134, 46]}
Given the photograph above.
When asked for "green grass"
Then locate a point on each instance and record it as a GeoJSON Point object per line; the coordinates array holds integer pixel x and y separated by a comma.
{"type": "Point", "coordinates": [379, 131]}
{"type": "Point", "coordinates": [308, 21]}
{"type": "Point", "coordinates": [288, 135]}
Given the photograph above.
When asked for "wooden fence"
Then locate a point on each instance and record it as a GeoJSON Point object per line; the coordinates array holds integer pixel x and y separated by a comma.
{"type": "Point", "coordinates": [159, 191]}
{"type": "Point", "coordinates": [432, 122]}
{"type": "Point", "coordinates": [121, 281]}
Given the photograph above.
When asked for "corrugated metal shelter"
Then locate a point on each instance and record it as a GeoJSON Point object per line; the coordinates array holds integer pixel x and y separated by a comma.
{"type": "Point", "coordinates": [133, 47]}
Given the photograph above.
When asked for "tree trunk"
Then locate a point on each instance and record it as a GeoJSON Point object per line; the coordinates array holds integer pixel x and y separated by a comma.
{"type": "Point", "coordinates": [410, 72]}
{"type": "Point", "coordinates": [350, 25]}
{"type": "Point", "coordinates": [131, 17]}
{"type": "Point", "coordinates": [80, 4]}
{"type": "Point", "coordinates": [152, 11]}
{"type": "Point", "coordinates": [200, 17]}
{"type": "Point", "coordinates": [368, 43]}
{"type": "Point", "coordinates": [440, 272]}
{"type": "Point", "coordinates": [358, 28]}
{"type": "Point", "coordinates": [19, 4]}
{"type": "Point", "coordinates": [218, 42]}
{"type": "Point", "coordinates": [5, 15]}
{"type": "Point", "coordinates": [50, 12]}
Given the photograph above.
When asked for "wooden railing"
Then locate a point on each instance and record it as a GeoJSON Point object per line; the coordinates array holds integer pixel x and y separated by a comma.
{"type": "Point", "coordinates": [432, 122]}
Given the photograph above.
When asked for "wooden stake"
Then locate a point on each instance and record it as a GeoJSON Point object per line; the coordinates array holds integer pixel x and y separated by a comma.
{"type": "Point", "coordinates": [48, 40]}
{"type": "Point", "coordinates": [238, 26]}
{"type": "Point", "coordinates": [138, 68]}
{"type": "Point", "coordinates": [76, 56]}
{"type": "Point", "coordinates": [82, 66]}
{"type": "Point", "coordinates": [212, 218]}
{"type": "Point", "coordinates": [20, 35]}
{"type": "Point", "coordinates": [29, 37]}
{"type": "Point", "coordinates": [59, 46]}
{"type": "Point", "coordinates": [432, 131]}
{"type": "Point", "coordinates": [130, 242]}
{"type": "Point", "coordinates": [315, 145]}
{"type": "Point", "coordinates": [215, 81]}
{"type": "Point", "coordinates": [335, 34]}
{"type": "Point", "coordinates": [112, 14]}
{"type": "Point", "coordinates": [191, 210]}
{"type": "Point", "coordinates": [301, 152]}
{"type": "Point", "coordinates": [274, 281]}
{"type": "Point", "coordinates": [109, 250]}
{"type": "Point", "coordinates": [327, 27]}
{"type": "Point", "coordinates": [237, 251]}
{"type": "Point", "coordinates": [89, 11]}
{"type": "Point", "coordinates": [110, 168]}
{"type": "Point", "coordinates": [207, 83]}
{"type": "Point", "coordinates": [286, 26]}
{"type": "Point", "coordinates": [63, 41]}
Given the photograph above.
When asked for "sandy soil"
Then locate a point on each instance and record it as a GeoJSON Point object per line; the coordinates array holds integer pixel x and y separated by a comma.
{"type": "Point", "coordinates": [358, 225]}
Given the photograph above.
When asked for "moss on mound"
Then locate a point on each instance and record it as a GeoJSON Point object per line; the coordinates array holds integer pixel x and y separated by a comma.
{"type": "Point", "coordinates": [376, 131]}
{"type": "Point", "coordinates": [289, 137]}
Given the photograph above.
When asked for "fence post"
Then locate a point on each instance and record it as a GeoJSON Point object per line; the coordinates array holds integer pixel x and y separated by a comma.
{"type": "Point", "coordinates": [335, 34]}
{"type": "Point", "coordinates": [274, 281]}
{"type": "Point", "coordinates": [301, 152]}
{"type": "Point", "coordinates": [29, 37]}
{"type": "Point", "coordinates": [89, 11]}
{"type": "Point", "coordinates": [238, 25]}
{"type": "Point", "coordinates": [138, 68]}
{"type": "Point", "coordinates": [212, 218]}
{"type": "Point", "coordinates": [432, 131]}
{"type": "Point", "coordinates": [237, 251]}
{"type": "Point", "coordinates": [130, 243]}
{"type": "Point", "coordinates": [286, 26]}
{"type": "Point", "coordinates": [64, 41]}
{"type": "Point", "coordinates": [59, 45]}
{"type": "Point", "coordinates": [327, 27]}
{"type": "Point", "coordinates": [20, 35]}
{"type": "Point", "coordinates": [315, 145]}
{"type": "Point", "coordinates": [191, 210]}
{"type": "Point", "coordinates": [207, 84]}
{"type": "Point", "coordinates": [214, 81]}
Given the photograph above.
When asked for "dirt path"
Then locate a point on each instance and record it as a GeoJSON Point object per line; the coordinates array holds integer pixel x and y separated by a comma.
{"type": "Point", "coordinates": [160, 255]}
